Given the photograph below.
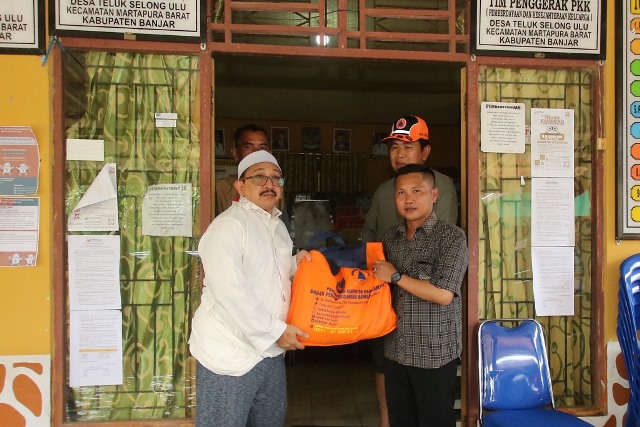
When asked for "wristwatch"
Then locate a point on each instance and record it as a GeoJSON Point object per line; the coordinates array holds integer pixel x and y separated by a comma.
{"type": "Point", "coordinates": [395, 277]}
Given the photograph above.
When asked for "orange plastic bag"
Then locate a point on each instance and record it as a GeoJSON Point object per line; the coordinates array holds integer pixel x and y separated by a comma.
{"type": "Point", "coordinates": [344, 308]}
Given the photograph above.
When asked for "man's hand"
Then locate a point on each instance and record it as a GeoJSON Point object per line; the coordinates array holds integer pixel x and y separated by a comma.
{"type": "Point", "coordinates": [303, 254]}
{"type": "Point", "coordinates": [289, 338]}
{"type": "Point", "coordinates": [383, 270]}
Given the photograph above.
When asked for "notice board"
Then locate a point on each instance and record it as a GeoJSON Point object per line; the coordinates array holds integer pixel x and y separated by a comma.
{"type": "Point", "coordinates": [22, 28]}
{"type": "Point", "coordinates": [539, 28]}
{"type": "Point", "coordinates": [628, 117]}
{"type": "Point", "coordinates": [169, 20]}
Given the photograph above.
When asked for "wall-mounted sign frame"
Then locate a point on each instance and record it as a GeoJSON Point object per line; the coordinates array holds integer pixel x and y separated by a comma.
{"type": "Point", "coordinates": [539, 28]}
{"type": "Point", "coordinates": [628, 120]}
{"type": "Point", "coordinates": [166, 20]}
{"type": "Point", "coordinates": [22, 27]}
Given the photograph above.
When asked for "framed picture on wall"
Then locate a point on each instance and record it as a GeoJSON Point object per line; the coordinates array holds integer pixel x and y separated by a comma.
{"type": "Point", "coordinates": [341, 140]}
{"type": "Point", "coordinates": [380, 147]}
{"type": "Point", "coordinates": [311, 139]}
{"type": "Point", "coordinates": [218, 137]}
{"type": "Point", "coordinates": [280, 139]}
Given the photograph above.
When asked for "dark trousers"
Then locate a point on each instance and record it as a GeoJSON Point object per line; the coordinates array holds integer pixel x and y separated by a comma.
{"type": "Point", "coordinates": [419, 396]}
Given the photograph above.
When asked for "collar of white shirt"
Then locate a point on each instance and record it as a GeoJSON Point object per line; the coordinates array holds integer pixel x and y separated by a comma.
{"type": "Point", "coordinates": [258, 210]}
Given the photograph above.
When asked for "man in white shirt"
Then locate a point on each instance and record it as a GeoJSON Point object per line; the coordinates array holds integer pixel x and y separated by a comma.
{"type": "Point", "coordinates": [239, 334]}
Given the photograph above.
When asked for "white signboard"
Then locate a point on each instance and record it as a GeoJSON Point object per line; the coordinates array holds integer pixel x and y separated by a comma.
{"type": "Point", "coordinates": [533, 27]}
{"type": "Point", "coordinates": [163, 18]}
{"type": "Point", "coordinates": [22, 26]}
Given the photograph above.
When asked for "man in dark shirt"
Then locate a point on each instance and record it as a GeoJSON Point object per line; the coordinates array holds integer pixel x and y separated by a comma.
{"type": "Point", "coordinates": [427, 260]}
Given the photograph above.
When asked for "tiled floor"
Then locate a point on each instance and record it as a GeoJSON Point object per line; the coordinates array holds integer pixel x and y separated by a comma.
{"type": "Point", "coordinates": [331, 387]}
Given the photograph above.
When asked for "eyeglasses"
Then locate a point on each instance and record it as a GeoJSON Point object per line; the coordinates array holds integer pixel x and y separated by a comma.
{"type": "Point", "coordinates": [277, 181]}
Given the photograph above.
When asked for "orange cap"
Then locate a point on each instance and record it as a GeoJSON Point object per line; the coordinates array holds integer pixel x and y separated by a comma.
{"type": "Point", "coordinates": [409, 129]}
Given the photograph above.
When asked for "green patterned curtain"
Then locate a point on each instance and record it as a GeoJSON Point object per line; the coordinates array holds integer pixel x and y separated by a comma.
{"type": "Point", "coordinates": [159, 275]}
{"type": "Point", "coordinates": [505, 282]}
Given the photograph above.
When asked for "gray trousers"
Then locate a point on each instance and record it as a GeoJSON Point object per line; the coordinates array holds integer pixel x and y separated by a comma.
{"type": "Point", "coordinates": [255, 399]}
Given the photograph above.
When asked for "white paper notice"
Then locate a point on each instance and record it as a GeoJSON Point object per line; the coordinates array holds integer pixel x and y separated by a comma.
{"type": "Point", "coordinates": [19, 230]}
{"type": "Point", "coordinates": [166, 120]}
{"type": "Point", "coordinates": [552, 142]}
{"type": "Point", "coordinates": [85, 149]}
{"type": "Point", "coordinates": [94, 272]}
{"type": "Point", "coordinates": [98, 208]}
{"type": "Point", "coordinates": [167, 210]}
{"type": "Point", "coordinates": [95, 348]}
{"type": "Point", "coordinates": [553, 280]}
{"type": "Point", "coordinates": [502, 127]}
{"type": "Point", "coordinates": [552, 212]}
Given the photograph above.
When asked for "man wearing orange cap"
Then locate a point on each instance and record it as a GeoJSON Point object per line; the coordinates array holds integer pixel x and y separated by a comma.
{"type": "Point", "coordinates": [239, 334]}
{"type": "Point", "coordinates": [408, 144]}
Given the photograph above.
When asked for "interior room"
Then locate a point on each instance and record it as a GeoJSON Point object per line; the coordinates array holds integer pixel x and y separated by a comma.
{"type": "Point", "coordinates": [315, 101]}
{"type": "Point", "coordinates": [307, 105]}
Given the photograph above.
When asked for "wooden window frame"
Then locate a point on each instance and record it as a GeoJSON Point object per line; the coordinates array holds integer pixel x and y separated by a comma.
{"type": "Point", "coordinates": [470, 356]}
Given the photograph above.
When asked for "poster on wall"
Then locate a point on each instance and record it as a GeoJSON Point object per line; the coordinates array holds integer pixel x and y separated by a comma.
{"type": "Point", "coordinates": [553, 28]}
{"type": "Point", "coordinates": [554, 280]}
{"type": "Point", "coordinates": [95, 347]}
{"type": "Point", "coordinates": [503, 127]}
{"type": "Point", "coordinates": [167, 20]}
{"type": "Point", "coordinates": [19, 161]}
{"type": "Point", "coordinates": [552, 142]}
{"type": "Point", "coordinates": [19, 231]}
{"type": "Point", "coordinates": [22, 26]}
{"type": "Point", "coordinates": [628, 116]}
{"type": "Point", "coordinates": [552, 210]}
{"type": "Point", "coordinates": [97, 210]}
{"type": "Point", "coordinates": [167, 210]}
{"type": "Point", "coordinates": [94, 271]}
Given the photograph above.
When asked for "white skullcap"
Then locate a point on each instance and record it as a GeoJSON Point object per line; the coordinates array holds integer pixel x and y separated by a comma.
{"type": "Point", "coordinates": [255, 158]}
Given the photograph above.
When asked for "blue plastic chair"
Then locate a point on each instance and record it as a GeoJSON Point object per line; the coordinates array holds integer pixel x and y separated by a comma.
{"type": "Point", "coordinates": [627, 331]}
{"type": "Point", "coordinates": [514, 377]}
{"type": "Point", "coordinates": [630, 285]}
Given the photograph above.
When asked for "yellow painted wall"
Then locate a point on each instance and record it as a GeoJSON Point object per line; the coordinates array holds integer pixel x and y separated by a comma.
{"type": "Point", "coordinates": [25, 292]}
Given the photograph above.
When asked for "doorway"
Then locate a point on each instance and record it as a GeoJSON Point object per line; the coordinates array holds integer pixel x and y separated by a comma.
{"type": "Point", "coordinates": [326, 97]}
